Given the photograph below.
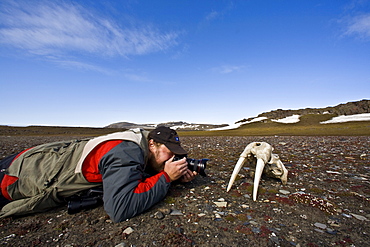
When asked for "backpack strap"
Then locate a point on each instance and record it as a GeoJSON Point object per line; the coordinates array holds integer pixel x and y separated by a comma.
{"type": "Point", "coordinates": [134, 135]}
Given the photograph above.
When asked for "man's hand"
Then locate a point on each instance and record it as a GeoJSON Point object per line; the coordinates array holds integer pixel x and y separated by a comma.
{"type": "Point", "coordinates": [190, 175]}
{"type": "Point", "coordinates": [178, 169]}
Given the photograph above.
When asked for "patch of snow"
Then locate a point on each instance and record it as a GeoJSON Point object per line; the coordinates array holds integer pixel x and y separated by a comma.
{"type": "Point", "coordinates": [235, 126]}
{"type": "Point", "coordinates": [290, 119]}
{"type": "Point", "coordinates": [349, 118]}
{"type": "Point", "coordinates": [229, 127]}
{"type": "Point", "coordinates": [185, 126]}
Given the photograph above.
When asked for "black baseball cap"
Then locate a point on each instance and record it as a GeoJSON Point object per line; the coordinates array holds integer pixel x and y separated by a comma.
{"type": "Point", "coordinates": [169, 138]}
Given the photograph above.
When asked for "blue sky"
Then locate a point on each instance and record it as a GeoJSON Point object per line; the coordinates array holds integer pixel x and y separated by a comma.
{"type": "Point", "coordinates": [93, 63]}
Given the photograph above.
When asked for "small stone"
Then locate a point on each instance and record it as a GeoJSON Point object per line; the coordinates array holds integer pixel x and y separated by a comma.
{"type": "Point", "coordinates": [331, 231]}
{"type": "Point", "coordinates": [120, 245]}
{"type": "Point", "coordinates": [359, 217]}
{"type": "Point", "coordinates": [303, 216]}
{"type": "Point", "coordinates": [128, 231]}
{"type": "Point", "coordinates": [176, 213]}
{"type": "Point", "coordinates": [244, 206]}
{"type": "Point", "coordinates": [333, 172]}
{"type": "Point", "coordinates": [347, 215]}
{"type": "Point", "coordinates": [284, 192]}
{"type": "Point", "coordinates": [201, 215]}
{"type": "Point", "coordinates": [221, 204]}
{"type": "Point", "coordinates": [319, 230]}
{"type": "Point", "coordinates": [166, 211]}
{"type": "Point", "coordinates": [159, 215]}
{"type": "Point", "coordinates": [221, 200]}
{"type": "Point", "coordinates": [321, 226]}
{"type": "Point", "coordinates": [334, 224]}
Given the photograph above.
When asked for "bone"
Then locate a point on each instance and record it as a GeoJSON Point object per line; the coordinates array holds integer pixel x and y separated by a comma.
{"type": "Point", "coordinates": [260, 153]}
{"type": "Point", "coordinates": [257, 177]}
{"type": "Point", "coordinates": [237, 168]}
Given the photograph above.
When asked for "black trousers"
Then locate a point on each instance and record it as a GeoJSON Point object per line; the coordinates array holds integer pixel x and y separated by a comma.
{"type": "Point", "coordinates": [4, 164]}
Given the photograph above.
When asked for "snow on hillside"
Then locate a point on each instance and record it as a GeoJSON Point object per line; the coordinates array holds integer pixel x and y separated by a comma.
{"type": "Point", "coordinates": [296, 119]}
{"type": "Point", "coordinates": [349, 118]}
{"type": "Point", "coordinates": [232, 126]}
{"type": "Point", "coordinates": [186, 126]}
{"type": "Point", "coordinates": [235, 126]}
{"type": "Point", "coordinates": [290, 119]}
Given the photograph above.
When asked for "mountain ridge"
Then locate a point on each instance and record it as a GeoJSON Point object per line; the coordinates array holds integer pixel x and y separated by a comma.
{"type": "Point", "coordinates": [349, 108]}
{"type": "Point", "coordinates": [344, 109]}
{"type": "Point", "coordinates": [175, 125]}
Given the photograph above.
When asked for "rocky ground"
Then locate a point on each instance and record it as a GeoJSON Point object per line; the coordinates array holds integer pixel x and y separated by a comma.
{"type": "Point", "coordinates": [325, 203]}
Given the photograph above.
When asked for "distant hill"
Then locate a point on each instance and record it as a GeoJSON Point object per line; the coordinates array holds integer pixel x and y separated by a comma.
{"type": "Point", "coordinates": [174, 125]}
{"type": "Point", "coordinates": [128, 125]}
{"type": "Point", "coordinates": [307, 117]}
{"type": "Point", "coordinates": [350, 108]}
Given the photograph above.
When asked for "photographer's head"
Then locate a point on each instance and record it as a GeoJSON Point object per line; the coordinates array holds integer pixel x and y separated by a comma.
{"type": "Point", "coordinates": [163, 144]}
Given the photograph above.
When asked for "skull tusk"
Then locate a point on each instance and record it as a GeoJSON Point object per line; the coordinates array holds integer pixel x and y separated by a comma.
{"type": "Point", "coordinates": [257, 177]}
{"type": "Point", "coordinates": [237, 168]}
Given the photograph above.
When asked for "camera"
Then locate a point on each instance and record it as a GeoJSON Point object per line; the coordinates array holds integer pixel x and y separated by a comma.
{"type": "Point", "coordinates": [195, 165]}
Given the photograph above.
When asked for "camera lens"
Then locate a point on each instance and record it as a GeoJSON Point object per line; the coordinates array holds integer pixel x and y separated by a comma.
{"type": "Point", "coordinates": [197, 165]}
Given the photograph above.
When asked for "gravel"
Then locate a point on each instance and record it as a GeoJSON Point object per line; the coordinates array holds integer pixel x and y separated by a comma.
{"type": "Point", "coordinates": [325, 202]}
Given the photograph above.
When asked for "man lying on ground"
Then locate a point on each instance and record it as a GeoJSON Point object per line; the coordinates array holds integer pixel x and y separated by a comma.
{"type": "Point", "coordinates": [135, 168]}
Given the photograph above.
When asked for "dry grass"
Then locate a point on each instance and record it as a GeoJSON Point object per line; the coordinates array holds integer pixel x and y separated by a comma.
{"type": "Point", "coordinates": [308, 126]}
{"type": "Point", "coordinates": [54, 131]}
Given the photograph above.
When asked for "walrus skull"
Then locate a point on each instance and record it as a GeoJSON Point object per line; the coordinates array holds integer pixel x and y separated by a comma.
{"type": "Point", "coordinates": [260, 154]}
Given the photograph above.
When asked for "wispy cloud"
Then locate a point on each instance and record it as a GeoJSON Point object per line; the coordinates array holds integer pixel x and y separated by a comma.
{"type": "Point", "coordinates": [358, 26]}
{"type": "Point", "coordinates": [137, 77]}
{"type": "Point", "coordinates": [211, 16]}
{"type": "Point", "coordinates": [57, 28]}
{"type": "Point", "coordinates": [227, 69]}
{"type": "Point", "coordinates": [82, 66]}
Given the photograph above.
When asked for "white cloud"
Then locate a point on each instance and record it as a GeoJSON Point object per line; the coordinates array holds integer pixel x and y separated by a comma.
{"type": "Point", "coordinates": [55, 29]}
{"type": "Point", "coordinates": [227, 69]}
{"type": "Point", "coordinates": [359, 26]}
